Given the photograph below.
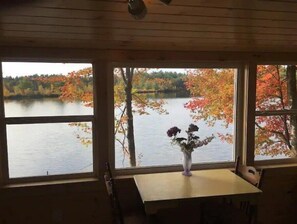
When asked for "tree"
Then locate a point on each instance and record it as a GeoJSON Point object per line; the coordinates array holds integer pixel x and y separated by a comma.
{"type": "Point", "coordinates": [213, 92]}
{"type": "Point", "coordinates": [129, 101]}
{"type": "Point", "coordinates": [276, 91]}
{"type": "Point", "coordinates": [77, 86]}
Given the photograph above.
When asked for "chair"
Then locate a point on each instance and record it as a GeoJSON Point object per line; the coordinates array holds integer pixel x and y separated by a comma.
{"type": "Point", "coordinates": [246, 211]}
{"type": "Point", "coordinates": [255, 177]}
{"type": "Point", "coordinates": [136, 216]}
{"type": "Point", "coordinates": [230, 212]}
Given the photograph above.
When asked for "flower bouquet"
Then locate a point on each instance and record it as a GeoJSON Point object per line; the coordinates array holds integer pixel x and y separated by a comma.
{"type": "Point", "coordinates": [187, 145]}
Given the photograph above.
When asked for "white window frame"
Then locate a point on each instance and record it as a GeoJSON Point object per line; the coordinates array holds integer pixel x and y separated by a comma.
{"type": "Point", "coordinates": [239, 119]}
{"type": "Point", "coordinates": [4, 121]}
{"type": "Point", "coordinates": [268, 162]}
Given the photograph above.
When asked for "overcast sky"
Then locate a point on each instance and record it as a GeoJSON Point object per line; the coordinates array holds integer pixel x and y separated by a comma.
{"type": "Point", "coordinates": [14, 69]}
{"type": "Point", "coordinates": [27, 68]}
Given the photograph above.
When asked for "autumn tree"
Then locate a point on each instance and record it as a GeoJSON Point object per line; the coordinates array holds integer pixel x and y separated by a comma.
{"type": "Point", "coordinates": [77, 86]}
{"type": "Point", "coordinates": [276, 91]}
{"type": "Point", "coordinates": [129, 101]}
{"type": "Point", "coordinates": [213, 92]}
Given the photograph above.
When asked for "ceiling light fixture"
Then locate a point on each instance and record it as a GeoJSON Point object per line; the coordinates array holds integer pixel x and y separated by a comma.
{"type": "Point", "coordinates": [137, 9]}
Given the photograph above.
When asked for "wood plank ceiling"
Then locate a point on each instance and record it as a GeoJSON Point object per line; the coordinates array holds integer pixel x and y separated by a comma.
{"type": "Point", "coordinates": [195, 25]}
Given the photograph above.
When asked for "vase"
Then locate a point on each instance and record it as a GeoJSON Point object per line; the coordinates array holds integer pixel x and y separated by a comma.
{"type": "Point", "coordinates": [187, 163]}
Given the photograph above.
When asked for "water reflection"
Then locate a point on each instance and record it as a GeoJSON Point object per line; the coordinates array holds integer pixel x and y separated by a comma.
{"type": "Point", "coordinates": [44, 107]}
{"type": "Point", "coordinates": [167, 95]}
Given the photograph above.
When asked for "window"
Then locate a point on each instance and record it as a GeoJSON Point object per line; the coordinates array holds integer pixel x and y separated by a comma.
{"type": "Point", "coordinates": [276, 112]}
{"type": "Point", "coordinates": [48, 114]}
{"type": "Point", "coordinates": [149, 101]}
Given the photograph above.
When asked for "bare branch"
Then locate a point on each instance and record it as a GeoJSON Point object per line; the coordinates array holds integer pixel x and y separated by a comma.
{"type": "Point", "coordinates": [123, 75]}
{"type": "Point", "coordinates": [119, 123]}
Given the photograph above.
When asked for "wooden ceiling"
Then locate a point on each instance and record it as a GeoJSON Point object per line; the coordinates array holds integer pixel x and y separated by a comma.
{"type": "Point", "coordinates": [194, 25]}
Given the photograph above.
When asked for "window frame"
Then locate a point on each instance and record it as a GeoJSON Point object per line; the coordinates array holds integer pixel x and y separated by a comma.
{"type": "Point", "coordinates": [273, 162]}
{"type": "Point", "coordinates": [103, 118]}
{"type": "Point", "coordinates": [240, 101]}
{"type": "Point", "coordinates": [4, 121]}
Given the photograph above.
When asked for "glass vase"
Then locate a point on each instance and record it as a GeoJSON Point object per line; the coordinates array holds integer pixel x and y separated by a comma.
{"type": "Point", "coordinates": [187, 163]}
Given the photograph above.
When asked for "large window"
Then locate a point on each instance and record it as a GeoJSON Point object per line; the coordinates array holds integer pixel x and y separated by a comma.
{"type": "Point", "coordinates": [148, 102]}
{"type": "Point", "coordinates": [48, 114]}
{"type": "Point", "coordinates": [276, 112]}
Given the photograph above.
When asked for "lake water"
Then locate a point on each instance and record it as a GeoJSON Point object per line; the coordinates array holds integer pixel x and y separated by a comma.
{"type": "Point", "coordinates": [48, 149]}
{"type": "Point", "coordinates": [153, 146]}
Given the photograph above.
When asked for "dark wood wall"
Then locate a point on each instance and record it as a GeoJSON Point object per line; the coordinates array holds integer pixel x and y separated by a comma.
{"type": "Point", "coordinates": [87, 202]}
{"type": "Point", "coordinates": [278, 203]}
{"type": "Point", "coordinates": [74, 203]}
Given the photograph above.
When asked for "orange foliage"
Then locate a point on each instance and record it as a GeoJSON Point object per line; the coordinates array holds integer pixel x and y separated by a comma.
{"type": "Point", "coordinates": [213, 94]}
{"type": "Point", "coordinates": [213, 100]}
{"type": "Point", "coordinates": [75, 90]}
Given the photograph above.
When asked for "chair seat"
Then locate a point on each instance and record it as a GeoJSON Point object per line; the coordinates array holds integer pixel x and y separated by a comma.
{"type": "Point", "coordinates": [232, 214]}
{"type": "Point", "coordinates": [222, 213]}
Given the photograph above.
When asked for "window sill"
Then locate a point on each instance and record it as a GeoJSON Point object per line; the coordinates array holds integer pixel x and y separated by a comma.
{"type": "Point", "coordinates": [279, 163]}
{"type": "Point", "coordinates": [71, 186]}
{"type": "Point", "coordinates": [51, 183]}
{"type": "Point", "coordinates": [129, 172]}
{"type": "Point", "coordinates": [276, 166]}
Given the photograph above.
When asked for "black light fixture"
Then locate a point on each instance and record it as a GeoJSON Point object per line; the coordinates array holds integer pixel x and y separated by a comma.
{"type": "Point", "coordinates": [137, 9]}
{"type": "Point", "coordinates": [166, 2]}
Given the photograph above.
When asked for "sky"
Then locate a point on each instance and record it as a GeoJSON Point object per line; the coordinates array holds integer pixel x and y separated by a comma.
{"type": "Point", "coordinates": [14, 69]}
{"type": "Point", "coordinates": [29, 68]}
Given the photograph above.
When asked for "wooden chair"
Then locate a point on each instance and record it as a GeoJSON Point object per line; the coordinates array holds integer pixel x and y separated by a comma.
{"type": "Point", "coordinates": [243, 212]}
{"type": "Point", "coordinates": [255, 177]}
{"type": "Point", "coordinates": [246, 211]}
{"type": "Point", "coordinates": [136, 216]}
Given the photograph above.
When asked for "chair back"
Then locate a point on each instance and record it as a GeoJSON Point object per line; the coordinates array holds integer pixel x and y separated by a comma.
{"type": "Point", "coordinates": [255, 177]}
{"type": "Point", "coordinates": [249, 173]}
{"type": "Point", "coordinates": [237, 161]}
{"type": "Point", "coordinates": [112, 193]}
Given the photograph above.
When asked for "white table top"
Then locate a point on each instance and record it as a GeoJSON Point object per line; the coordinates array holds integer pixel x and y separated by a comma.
{"type": "Point", "coordinates": [173, 186]}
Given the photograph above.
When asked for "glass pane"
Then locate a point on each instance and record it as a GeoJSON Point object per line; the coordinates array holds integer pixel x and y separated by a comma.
{"type": "Point", "coordinates": [163, 98]}
{"type": "Point", "coordinates": [47, 89]}
{"type": "Point", "coordinates": [49, 149]}
{"type": "Point", "coordinates": [276, 87]}
{"type": "Point", "coordinates": [275, 137]}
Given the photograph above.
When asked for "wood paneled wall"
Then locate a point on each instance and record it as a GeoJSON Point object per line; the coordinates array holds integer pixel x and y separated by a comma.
{"type": "Point", "coordinates": [54, 204]}
{"type": "Point", "coordinates": [88, 202]}
{"type": "Point", "coordinates": [278, 203]}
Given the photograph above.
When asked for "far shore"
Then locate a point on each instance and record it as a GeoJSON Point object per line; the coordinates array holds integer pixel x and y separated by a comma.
{"type": "Point", "coordinates": [37, 96]}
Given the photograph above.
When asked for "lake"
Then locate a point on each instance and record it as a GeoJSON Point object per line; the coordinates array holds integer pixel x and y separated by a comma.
{"type": "Point", "coordinates": [49, 149]}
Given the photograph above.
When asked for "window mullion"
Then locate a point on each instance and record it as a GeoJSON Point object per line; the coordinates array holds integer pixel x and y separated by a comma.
{"type": "Point", "coordinates": [249, 145]}
{"type": "Point", "coordinates": [101, 118]}
{"type": "Point", "coordinates": [3, 141]}
{"type": "Point", "coordinates": [276, 112]}
{"type": "Point", "coordinates": [239, 138]}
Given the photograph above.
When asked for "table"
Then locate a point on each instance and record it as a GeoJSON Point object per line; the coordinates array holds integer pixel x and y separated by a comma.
{"type": "Point", "coordinates": [164, 190]}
